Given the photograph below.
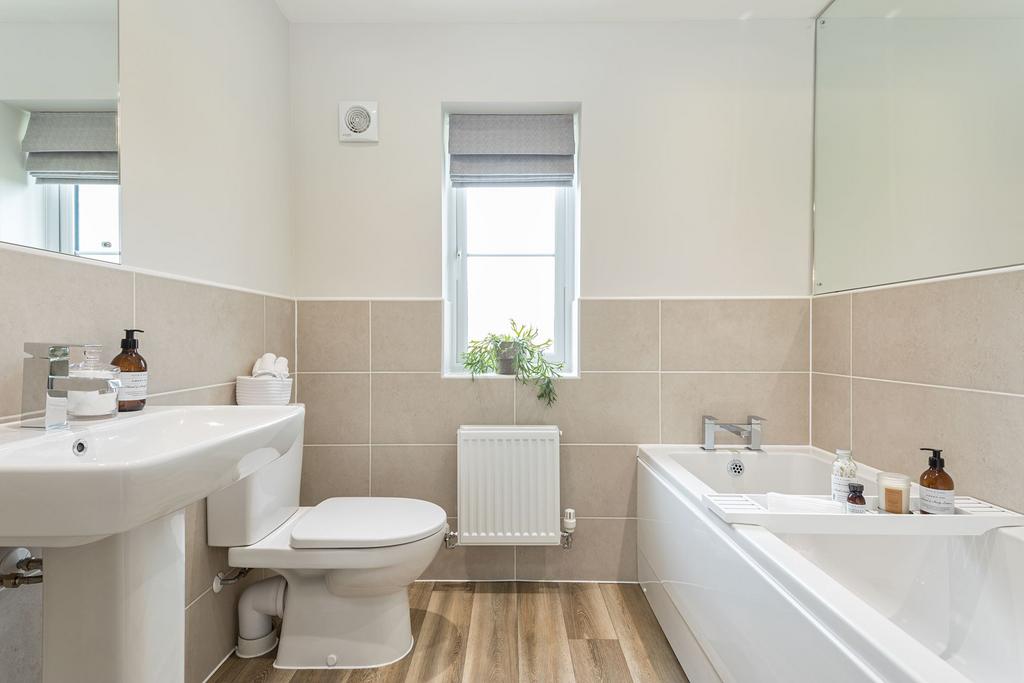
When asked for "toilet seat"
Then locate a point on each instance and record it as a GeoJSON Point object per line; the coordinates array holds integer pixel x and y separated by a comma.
{"type": "Point", "coordinates": [367, 523]}
{"type": "Point", "coordinates": [275, 551]}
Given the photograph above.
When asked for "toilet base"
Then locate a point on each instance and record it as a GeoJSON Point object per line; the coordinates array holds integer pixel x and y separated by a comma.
{"type": "Point", "coordinates": [321, 630]}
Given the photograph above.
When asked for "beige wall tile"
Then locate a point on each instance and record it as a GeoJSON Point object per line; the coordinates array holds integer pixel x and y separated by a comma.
{"type": "Point", "coordinates": [472, 563]}
{"type": "Point", "coordinates": [337, 407]}
{"type": "Point", "coordinates": [426, 408]}
{"type": "Point", "coordinates": [406, 335]}
{"type": "Point", "coordinates": [830, 412]}
{"type": "Point", "coordinates": [279, 338]}
{"type": "Point", "coordinates": [334, 471]}
{"type": "Point", "coordinates": [735, 334]}
{"type": "Point", "coordinates": [223, 395]}
{"type": "Point", "coordinates": [201, 561]}
{"type": "Point", "coordinates": [780, 398]}
{"type": "Point", "coordinates": [965, 333]}
{"type": "Point", "coordinates": [599, 481]}
{"type": "Point", "coordinates": [618, 334]}
{"type": "Point", "coordinates": [424, 472]}
{"type": "Point", "coordinates": [980, 435]}
{"type": "Point", "coordinates": [603, 550]}
{"type": "Point", "coordinates": [47, 299]}
{"type": "Point", "coordinates": [597, 408]}
{"type": "Point", "coordinates": [196, 335]}
{"type": "Point", "coordinates": [831, 334]}
{"type": "Point", "coordinates": [211, 625]}
{"type": "Point", "coordinates": [334, 336]}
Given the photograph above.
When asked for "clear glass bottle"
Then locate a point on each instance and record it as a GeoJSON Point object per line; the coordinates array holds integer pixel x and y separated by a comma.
{"type": "Point", "coordinates": [92, 405]}
{"type": "Point", "coordinates": [844, 473]}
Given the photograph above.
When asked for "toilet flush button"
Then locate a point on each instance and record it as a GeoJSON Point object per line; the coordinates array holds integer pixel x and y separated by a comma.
{"type": "Point", "coordinates": [332, 660]}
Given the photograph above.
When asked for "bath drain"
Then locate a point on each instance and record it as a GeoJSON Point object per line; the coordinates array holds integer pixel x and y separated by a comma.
{"type": "Point", "coordinates": [735, 467]}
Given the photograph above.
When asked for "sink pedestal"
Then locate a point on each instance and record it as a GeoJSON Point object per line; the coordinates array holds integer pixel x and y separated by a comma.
{"type": "Point", "coordinates": [114, 610]}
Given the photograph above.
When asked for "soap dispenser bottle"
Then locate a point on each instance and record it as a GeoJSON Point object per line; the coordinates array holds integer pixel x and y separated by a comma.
{"type": "Point", "coordinates": [937, 489]}
{"type": "Point", "coordinates": [134, 374]}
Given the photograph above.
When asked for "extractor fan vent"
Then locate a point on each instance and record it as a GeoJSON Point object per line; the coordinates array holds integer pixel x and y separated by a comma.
{"type": "Point", "coordinates": [357, 121]}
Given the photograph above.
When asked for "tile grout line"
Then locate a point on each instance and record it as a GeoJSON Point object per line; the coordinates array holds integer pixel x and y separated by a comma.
{"type": "Point", "coordinates": [661, 418]}
{"type": "Point", "coordinates": [849, 366]}
{"type": "Point", "coordinates": [369, 398]}
{"type": "Point", "coordinates": [946, 387]}
{"type": "Point", "coordinates": [810, 370]}
{"type": "Point", "coordinates": [563, 377]}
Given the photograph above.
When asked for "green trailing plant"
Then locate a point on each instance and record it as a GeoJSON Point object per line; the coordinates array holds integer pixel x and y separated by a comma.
{"type": "Point", "coordinates": [517, 353]}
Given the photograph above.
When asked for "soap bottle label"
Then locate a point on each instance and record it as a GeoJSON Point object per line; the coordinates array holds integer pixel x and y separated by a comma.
{"type": "Point", "coordinates": [133, 386]}
{"type": "Point", "coordinates": [936, 502]}
{"type": "Point", "coordinates": [856, 508]}
{"type": "Point", "coordinates": [841, 487]}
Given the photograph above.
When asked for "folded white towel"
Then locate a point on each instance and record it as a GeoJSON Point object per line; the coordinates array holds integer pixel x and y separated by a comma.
{"type": "Point", "coordinates": [264, 366]}
{"type": "Point", "coordinates": [281, 367]}
{"type": "Point", "coordinates": [781, 502]}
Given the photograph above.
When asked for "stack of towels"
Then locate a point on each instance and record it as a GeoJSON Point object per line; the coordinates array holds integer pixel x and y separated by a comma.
{"type": "Point", "coordinates": [269, 385]}
{"type": "Point", "coordinates": [269, 365]}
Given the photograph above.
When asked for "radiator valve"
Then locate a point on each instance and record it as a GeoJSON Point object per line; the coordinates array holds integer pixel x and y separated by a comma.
{"type": "Point", "coordinates": [568, 527]}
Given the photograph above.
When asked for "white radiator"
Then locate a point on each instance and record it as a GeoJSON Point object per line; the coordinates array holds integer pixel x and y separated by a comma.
{"type": "Point", "coordinates": [509, 485]}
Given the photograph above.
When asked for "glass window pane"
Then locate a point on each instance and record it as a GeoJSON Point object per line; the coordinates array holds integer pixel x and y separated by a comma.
{"type": "Point", "coordinates": [510, 220]}
{"type": "Point", "coordinates": [98, 233]}
{"type": "Point", "coordinates": [499, 288]}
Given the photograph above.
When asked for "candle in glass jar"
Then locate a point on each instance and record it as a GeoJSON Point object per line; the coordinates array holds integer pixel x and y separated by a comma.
{"type": "Point", "coordinates": [893, 493]}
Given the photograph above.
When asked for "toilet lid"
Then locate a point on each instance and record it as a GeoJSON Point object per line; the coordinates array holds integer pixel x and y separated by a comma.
{"type": "Point", "coordinates": [367, 523]}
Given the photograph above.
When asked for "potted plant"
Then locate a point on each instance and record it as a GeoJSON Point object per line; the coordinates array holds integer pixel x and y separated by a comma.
{"type": "Point", "coordinates": [516, 353]}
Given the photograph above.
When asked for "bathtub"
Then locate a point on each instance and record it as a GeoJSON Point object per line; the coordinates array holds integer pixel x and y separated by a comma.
{"type": "Point", "coordinates": [743, 605]}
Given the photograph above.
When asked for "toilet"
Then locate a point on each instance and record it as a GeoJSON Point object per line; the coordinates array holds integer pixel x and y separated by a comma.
{"type": "Point", "coordinates": [343, 568]}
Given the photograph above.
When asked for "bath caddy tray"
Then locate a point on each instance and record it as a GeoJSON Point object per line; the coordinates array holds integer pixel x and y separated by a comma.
{"type": "Point", "coordinates": [973, 517]}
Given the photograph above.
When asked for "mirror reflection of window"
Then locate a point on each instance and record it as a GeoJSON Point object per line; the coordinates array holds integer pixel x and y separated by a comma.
{"type": "Point", "coordinates": [59, 168]}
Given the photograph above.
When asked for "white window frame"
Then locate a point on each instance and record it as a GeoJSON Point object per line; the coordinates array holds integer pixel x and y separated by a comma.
{"type": "Point", "coordinates": [565, 279]}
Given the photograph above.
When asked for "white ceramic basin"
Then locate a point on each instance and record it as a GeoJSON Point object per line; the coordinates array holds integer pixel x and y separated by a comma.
{"type": "Point", "coordinates": [134, 469]}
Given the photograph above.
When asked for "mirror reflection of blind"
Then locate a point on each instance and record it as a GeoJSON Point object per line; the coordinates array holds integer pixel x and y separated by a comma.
{"type": "Point", "coordinates": [497, 149]}
{"type": "Point", "coordinates": [72, 148]}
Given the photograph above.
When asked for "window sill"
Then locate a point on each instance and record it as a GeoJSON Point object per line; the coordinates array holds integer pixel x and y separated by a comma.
{"type": "Point", "coordinates": [492, 375]}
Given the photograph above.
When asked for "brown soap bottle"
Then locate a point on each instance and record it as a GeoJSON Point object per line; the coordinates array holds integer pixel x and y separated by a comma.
{"type": "Point", "coordinates": [937, 490]}
{"type": "Point", "coordinates": [134, 375]}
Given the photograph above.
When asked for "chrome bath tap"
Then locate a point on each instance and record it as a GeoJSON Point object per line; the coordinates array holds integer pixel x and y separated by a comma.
{"type": "Point", "coordinates": [752, 431]}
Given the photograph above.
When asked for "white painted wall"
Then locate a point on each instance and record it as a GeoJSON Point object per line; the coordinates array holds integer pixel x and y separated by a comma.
{"type": "Point", "coordinates": [21, 202]}
{"type": "Point", "coordinates": [919, 149]}
{"type": "Point", "coordinates": [58, 63]}
{"type": "Point", "coordinates": [695, 152]}
{"type": "Point", "coordinates": [204, 132]}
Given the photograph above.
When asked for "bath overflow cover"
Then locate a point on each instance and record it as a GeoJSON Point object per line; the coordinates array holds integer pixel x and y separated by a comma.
{"type": "Point", "coordinates": [735, 467]}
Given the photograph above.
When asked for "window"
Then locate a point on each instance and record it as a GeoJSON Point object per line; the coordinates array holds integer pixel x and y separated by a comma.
{"type": "Point", "coordinates": [83, 220]}
{"type": "Point", "coordinates": [511, 245]}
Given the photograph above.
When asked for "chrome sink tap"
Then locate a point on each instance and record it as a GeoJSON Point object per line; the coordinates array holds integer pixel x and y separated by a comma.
{"type": "Point", "coordinates": [751, 431]}
{"type": "Point", "coordinates": [45, 385]}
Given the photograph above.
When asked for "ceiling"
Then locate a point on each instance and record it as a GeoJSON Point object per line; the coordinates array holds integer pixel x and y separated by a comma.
{"type": "Point", "coordinates": [905, 9]}
{"type": "Point", "coordinates": [522, 11]}
{"type": "Point", "coordinates": [70, 11]}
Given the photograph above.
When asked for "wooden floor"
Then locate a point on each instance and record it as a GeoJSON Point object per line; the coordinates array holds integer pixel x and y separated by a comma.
{"type": "Point", "coordinates": [543, 632]}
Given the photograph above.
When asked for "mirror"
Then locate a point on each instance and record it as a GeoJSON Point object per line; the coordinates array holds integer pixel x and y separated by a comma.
{"type": "Point", "coordinates": [58, 126]}
{"type": "Point", "coordinates": [919, 141]}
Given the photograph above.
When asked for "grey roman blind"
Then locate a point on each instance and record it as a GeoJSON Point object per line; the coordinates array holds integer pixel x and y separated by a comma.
{"type": "Point", "coordinates": [490, 149]}
{"type": "Point", "coordinates": [72, 148]}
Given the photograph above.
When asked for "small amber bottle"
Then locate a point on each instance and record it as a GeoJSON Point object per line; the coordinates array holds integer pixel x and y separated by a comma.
{"type": "Point", "coordinates": [134, 374]}
{"type": "Point", "coordinates": [855, 502]}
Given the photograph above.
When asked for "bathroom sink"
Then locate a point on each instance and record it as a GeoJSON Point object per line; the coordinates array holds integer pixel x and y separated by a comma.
{"type": "Point", "coordinates": [72, 487]}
